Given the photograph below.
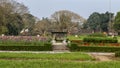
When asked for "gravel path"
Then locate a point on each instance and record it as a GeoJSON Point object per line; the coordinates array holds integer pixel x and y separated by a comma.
{"type": "Point", "coordinates": [102, 56]}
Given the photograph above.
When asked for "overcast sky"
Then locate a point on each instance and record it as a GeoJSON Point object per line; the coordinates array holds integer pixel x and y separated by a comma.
{"type": "Point", "coordinates": [44, 8]}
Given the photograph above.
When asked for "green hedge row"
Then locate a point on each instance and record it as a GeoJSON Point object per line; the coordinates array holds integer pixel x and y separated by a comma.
{"type": "Point", "coordinates": [75, 47]}
{"type": "Point", "coordinates": [46, 47]}
{"type": "Point", "coordinates": [100, 40]}
{"type": "Point", "coordinates": [97, 35]}
{"type": "Point", "coordinates": [117, 54]}
{"type": "Point", "coordinates": [21, 43]}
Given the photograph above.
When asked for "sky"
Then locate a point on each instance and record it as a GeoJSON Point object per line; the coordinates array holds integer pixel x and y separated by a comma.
{"type": "Point", "coordinates": [45, 8]}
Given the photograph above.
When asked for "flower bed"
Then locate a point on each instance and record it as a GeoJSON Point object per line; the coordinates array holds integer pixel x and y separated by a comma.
{"type": "Point", "coordinates": [24, 43]}
{"type": "Point", "coordinates": [23, 38]}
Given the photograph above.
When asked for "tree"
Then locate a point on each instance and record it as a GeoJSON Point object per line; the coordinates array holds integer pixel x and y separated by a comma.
{"type": "Point", "coordinates": [106, 21]}
{"type": "Point", "coordinates": [117, 23]}
{"type": "Point", "coordinates": [66, 20]}
{"type": "Point", "coordinates": [99, 22]}
{"type": "Point", "coordinates": [42, 27]}
{"type": "Point", "coordinates": [11, 22]}
{"type": "Point", "coordinates": [15, 24]}
{"type": "Point", "coordinates": [29, 21]}
{"type": "Point", "coordinates": [93, 21]}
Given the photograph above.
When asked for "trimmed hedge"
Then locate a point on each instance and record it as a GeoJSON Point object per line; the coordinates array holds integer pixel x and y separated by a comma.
{"type": "Point", "coordinates": [46, 47]}
{"type": "Point", "coordinates": [117, 54]}
{"type": "Point", "coordinates": [21, 43]}
{"type": "Point", "coordinates": [76, 41]}
{"type": "Point", "coordinates": [100, 40]}
{"type": "Point", "coordinates": [97, 35]}
{"type": "Point", "coordinates": [75, 47]}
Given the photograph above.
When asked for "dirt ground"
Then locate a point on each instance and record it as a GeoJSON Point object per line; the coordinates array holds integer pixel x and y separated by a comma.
{"type": "Point", "coordinates": [103, 56]}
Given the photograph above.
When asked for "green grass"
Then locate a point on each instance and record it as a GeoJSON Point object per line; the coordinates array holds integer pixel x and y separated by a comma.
{"type": "Point", "coordinates": [47, 60]}
{"type": "Point", "coordinates": [118, 39]}
{"type": "Point", "coordinates": [56, 64]}
{"type": "Point", "coordinates": [48, 56]}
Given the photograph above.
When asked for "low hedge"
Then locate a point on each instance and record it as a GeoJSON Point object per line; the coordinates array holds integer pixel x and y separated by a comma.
{"type": "Point", "coordinates": [46, 47]}
{"type": "Point", "coordinates": [97, 35]}
{"type": "Point", "coordinates": [100, 40]}
{"type": "Point", "coordinates": [21, 43]}
{"type": "Point", "coordinates": [76, 41]}
{"type": "Point", "coordinates": [117, 54]}
{"type": "Point", "coordinates": [75, 47]}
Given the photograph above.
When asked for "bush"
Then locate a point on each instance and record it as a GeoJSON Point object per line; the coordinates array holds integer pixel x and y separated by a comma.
{"type": "Point", "coordinates": [76, 41]}
{"type": "Point", "coordinates": [75, 47]}
{"type": "Point", "coordinates": [21, 43]}
{"type": "Point", "coordinates": [46, 47]}
{"type": "Point", "coordinates": [100, 40]}
{"type": "Point", "coordinates": [117, 54]}
{"type": "Point", "coordinates": [97, 35]}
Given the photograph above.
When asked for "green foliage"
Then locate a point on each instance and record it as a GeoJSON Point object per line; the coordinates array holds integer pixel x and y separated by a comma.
{"type": "Point", "coordinates": [21, 43]}
{"type": "Point", "coordinates": [11, 17]}
{"type": "Point", "coordinates": [47, 56]}
{"type": "Point", "coordinates": [26, 48]}
{"type": "Point", "coordinates": [72, 37]}
{"type": "Point", "coordinates": [94, 21]}
{"type": "Point", "coordinates": [100, 40]}
{"type": "Point", "coordinates": [117, 22]}
{"type": "Point", "coordinates": [99, 22]}
{"type": "Point", "coordinates": [74, 47]}
{"type": "Point", "coordinates": [56, 64]}
{"type": "Point", "coordinates": [117, 54]}
{"type": "Point", "coordinates": [97, 35]}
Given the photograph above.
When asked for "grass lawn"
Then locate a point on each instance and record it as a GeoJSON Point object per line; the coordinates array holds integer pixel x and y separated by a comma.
{"type": "Point", "coordinates": [49, 56]}
{"type": "Point", "coordinates": [58, 60]}
{"type": "Point", "coordinates": [56, 64]}
{"type": "Point", "coordinates": [118, 39]}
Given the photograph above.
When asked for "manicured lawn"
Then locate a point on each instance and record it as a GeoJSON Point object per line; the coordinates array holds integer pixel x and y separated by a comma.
{"type": "Point", "coordinates": [118, 39]}
{"type": "Point", "coordinates": [49, 56]}
{"type": "Point", "coordinates": [56, 64]}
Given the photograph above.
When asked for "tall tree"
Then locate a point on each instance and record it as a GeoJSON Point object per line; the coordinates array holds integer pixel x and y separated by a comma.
{"type": "Point", "coordinates": [66, 20]}
{"type": "Point", "coordinates": [11, 22]}
{"type": "Point", "coordinates": [42, 27]}
{"type": "Point", "coordinates": [99, 22]}
{"type": "Point", "coordinates": [117, 23]}
{"type": "Point", "coordinates": [93, 21]}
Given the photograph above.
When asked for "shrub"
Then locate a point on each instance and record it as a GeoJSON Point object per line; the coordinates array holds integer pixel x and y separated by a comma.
{"type": "Point", "coordinates": [117, 54]}
{"type": "Point", "coordinates": [75, 47]}
{"type": "Point", "coordinates": [100, 40]}
{"type": "Point", "coordinates": [46, 47]}
{"type": "Point", "coordinates": [21, 43]}
{"type": "Point", "coordinates": [97, 35]}
{"type": "Point", "coordinates": [76, 41]}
